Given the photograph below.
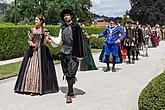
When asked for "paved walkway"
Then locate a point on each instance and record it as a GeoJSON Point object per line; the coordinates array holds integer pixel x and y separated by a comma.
{"type": "Point", "coordinates": [11, 61]}
{"type": "Point", "coordinates": [95, 90]}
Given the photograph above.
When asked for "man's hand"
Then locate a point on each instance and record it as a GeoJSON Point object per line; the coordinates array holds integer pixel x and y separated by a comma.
{"type": "Point", "coordinates": [95, 35]}
{"type": "Point", "coordinates": [79, 59]}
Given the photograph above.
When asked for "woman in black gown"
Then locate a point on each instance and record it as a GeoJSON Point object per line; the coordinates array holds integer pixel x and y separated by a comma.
{"type": "Point", "coordinates": [37, 74]}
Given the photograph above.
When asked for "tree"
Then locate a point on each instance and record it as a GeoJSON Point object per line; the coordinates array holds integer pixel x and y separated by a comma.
{"type": "Point", "coordinates": [51, 9]}
{"type": "Point", "coordinates": [148, 11]}
{"type": "Point", "coordinates": [3, 5]}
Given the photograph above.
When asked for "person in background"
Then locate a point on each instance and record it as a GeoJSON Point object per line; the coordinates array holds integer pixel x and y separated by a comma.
{"type": "Point", "coordinates": [130, 41]}
{"type": "Point", "coordinates": [87, 63]}
{"type": "Point", "coordinates": [112, 31]}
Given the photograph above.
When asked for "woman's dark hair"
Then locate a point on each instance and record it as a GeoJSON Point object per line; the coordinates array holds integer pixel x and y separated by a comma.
{"type": "Point", "coordinates": [41, 18]}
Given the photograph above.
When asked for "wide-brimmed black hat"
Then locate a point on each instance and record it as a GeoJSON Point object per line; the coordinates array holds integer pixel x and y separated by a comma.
{"type": "Point", "coordinates": [66, 11]}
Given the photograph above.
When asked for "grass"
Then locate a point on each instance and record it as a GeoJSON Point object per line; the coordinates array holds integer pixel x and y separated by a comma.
{"type": "Point", "coordinates": [153, 95]}
{"type": "Point", "coordinates": [12, 69]}
{"type": "Point", "coordinates": [9, 70]}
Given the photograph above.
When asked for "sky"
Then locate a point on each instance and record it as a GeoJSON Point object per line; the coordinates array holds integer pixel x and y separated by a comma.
{"type": "Point", "coordinates": [110, 8]}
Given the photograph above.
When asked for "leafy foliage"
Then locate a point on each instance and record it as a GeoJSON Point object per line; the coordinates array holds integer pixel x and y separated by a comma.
{"type": "Point", "coordinates": [148, 11]}
{"type": "Point", "coordinates": [13, 40]}
{"type": "Point", "coordinates": [153, 95]}
{"type": "Point", "coordinates": [26, 10]}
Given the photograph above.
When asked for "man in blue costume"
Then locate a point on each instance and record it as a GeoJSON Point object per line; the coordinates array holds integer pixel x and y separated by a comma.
{"type": "Point", "coordinates": [112, 31]}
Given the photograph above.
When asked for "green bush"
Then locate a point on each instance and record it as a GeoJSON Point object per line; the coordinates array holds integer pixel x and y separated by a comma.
{"type": "Point", "coordinates": [13, 39]}
{"type": "Point", "coordinates": [94, 30]}
{"type": "Point", "coordinates": [95, 42]}
{"type": "Point", "coordinates": [153, 95]}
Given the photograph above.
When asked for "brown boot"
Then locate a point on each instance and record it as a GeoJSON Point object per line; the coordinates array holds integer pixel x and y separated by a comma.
{"type": "Point", "coordinates": [68, 99]}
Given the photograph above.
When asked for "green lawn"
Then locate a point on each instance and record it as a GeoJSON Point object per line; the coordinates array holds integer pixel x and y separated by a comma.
{"type": "Point", "coordinates": [9, 70]}
{"type": "Point", "coordinates": [12, 69]}
{"type": "Point", "coordinates": [153, 95]}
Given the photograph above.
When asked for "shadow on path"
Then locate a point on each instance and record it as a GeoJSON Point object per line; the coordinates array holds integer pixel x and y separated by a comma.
{"type": "Point", "coordinates": [76, 91]}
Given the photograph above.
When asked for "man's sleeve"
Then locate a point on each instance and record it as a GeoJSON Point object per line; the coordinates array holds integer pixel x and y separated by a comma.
{"type": "Point", "coordinates": [123, 34]}
{"type": "Point", "coordinates": [56, 41]}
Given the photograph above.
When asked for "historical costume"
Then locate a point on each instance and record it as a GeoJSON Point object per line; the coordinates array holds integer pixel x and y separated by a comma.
{"type": "Point", "coordinates": [139, 40]}
{"type": "Point", "coordinates": [119, 58]}
{"type": "Point", "coordinates": [37, 73]}
{"type": "Point", "coordinates": [87, 63]}
{"type": "Point", "coordinates": [146, 35]}
{"type": "Point", "coordinates": [158, 32]}
{"type": "Point", "coordinates": [130, 42]}
{"type": "Point", "coordinates": [72, 49]}
{"type": "Point", "coordinates": [163, 32]}
{"type": "Point", "coordinates": [111, 41]}
{"type": "Point", "coordinates": [154, 37]}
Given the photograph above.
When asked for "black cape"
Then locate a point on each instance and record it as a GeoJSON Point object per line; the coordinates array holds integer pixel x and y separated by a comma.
{"type": "Point", "coordinates": [78, 47]}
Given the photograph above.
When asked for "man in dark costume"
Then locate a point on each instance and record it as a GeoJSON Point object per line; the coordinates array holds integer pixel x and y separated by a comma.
{"type": "Point", "coordinates": [140, 40]}
{"type": "Point", "coordinates": [72, 49]}
{"type": "Point", "coordinates": [130, 41]}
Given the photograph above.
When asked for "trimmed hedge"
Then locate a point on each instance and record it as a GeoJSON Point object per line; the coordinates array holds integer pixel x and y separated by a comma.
{"type": "Point", "coordinates": [13, 40]}
{"type": "Point", "coordinates": [95, 42]}
{"type": "Point", "coordinates": [153, 95]}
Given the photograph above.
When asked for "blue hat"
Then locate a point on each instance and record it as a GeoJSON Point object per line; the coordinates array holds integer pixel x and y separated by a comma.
{"type": "Point", "coordinates": [112, 19]}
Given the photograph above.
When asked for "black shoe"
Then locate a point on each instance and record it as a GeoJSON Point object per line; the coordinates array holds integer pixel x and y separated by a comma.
{"type": "Point", "coordinates": [107, 69]}
{"type": "Point", "coordinates": [128, 62]}
{"type": "Point", "coordinates": [133, 62]}
{"type": "Point", "coordinates": [113, 70]}
{"type": "Point", "coordinates": [146, 54]}
{"type": "Point", "coordinates": [137, 58]}
{"type": "Point", "coordinates": [32, 94]}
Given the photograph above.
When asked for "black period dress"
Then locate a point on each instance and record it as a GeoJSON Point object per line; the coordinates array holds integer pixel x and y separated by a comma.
{"type": "Point", "coordinates": [37, 73]}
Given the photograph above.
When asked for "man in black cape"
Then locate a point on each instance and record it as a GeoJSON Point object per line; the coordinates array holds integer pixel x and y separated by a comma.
{"type": "Point", "coordinates": [72, 49]}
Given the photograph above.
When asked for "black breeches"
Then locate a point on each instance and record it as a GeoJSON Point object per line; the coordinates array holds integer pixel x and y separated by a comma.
{"type": "Point", "coordinates": [113, 61]}
{"type": "Point", "coordinates": [69, 65]}
{"type": "Point", "coordinates": [70, 81]}
{"type": "Point", "coordinates": [137, 50]}
{"type": "Point", "coordinates": [130, 50]}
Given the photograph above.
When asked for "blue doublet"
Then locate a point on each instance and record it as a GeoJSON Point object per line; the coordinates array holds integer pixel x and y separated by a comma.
{"type": "Point", "coordinates": [112, 35]}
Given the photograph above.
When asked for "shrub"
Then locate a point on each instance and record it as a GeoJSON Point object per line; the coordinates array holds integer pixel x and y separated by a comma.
{"type": "Point", "coordinates": [153, 95]}
{"type": "Point", "coordinates": [13, 39]}
{"type": "Point", "coordinates": [95, 42]}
